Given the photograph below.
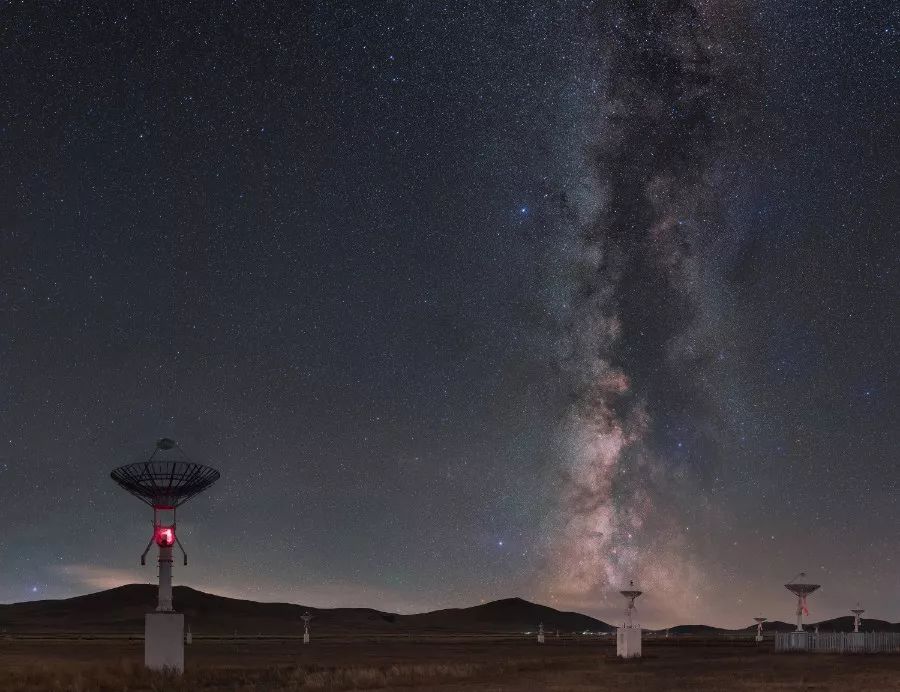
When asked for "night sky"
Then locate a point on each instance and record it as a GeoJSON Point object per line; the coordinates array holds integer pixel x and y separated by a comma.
{"type": "Point", "coordinates": [465, 300]}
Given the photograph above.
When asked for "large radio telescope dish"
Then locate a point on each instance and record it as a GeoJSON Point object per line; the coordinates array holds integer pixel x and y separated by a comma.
{"type": "Point", "coordinates": [801, 589]}
{"type": "Point", "coordinates": [631, 592]}
{"type": "Point", "coordinates": [167, 479]}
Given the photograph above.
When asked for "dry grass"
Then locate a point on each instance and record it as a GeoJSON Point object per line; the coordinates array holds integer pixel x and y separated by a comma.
{"type": "Point", "coordinates": [436, 664]}
{"type": "Point", "coordinates": [393, 676]}
{"type": "Point", "coordinates": [132, 677]}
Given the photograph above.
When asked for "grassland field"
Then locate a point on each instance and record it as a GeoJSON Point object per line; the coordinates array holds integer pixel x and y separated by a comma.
{"type": "Point", "coordinates": [87, 664]}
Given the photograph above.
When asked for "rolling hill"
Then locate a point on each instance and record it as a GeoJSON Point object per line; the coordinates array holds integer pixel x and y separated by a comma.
{"type": "Point", "coordinates": [122, 610]}
{"type": "Point", "coordinates": [840, 624]}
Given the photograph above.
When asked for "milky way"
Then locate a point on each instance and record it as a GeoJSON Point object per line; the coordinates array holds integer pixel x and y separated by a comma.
{"type": "Point", "coordinates": [642, 334]}
{"type": "Point", "coordinates": [465, 300]}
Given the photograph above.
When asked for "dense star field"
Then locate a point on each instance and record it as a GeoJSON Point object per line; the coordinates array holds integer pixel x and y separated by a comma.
{"type": "Point", "coordinates": [465, 300]}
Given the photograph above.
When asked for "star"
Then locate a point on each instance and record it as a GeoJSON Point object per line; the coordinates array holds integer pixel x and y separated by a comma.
{"type": "Point", "coordinates": [320, 274]}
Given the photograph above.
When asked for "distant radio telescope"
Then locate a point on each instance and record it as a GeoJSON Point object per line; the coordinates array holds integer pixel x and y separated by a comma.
{"type": "Point", "coordinates": [630, 595]}
{"type": "Point", "coordinates": [759, 628]}
{"type": "Point", "coordinates": [801, 590]}
{"type": "Point", "coordinates": [306, 617]}
{"type": "Point", "coordinates": [857, 620]}
{"type": "Point", "coordinates": [628, 637]}
{"type": "Point", "coordinates": [165, 481]}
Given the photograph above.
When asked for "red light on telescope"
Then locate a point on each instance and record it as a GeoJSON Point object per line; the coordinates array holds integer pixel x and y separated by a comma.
{"type": "Point", "coordinates": [165, 536]}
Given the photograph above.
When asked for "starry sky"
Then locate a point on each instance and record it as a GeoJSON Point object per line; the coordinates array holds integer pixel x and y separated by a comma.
{"type": "Point", "coordinates": [465, 300]}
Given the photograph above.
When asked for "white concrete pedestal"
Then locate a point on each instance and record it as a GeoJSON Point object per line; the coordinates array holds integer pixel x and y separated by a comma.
{"type": "Point", "coordinates": [759, 637]}
{"type": "Point", "coordinates": [164, 641]}
{"type": "Point", "coordinates": [628, 642]}
{"type": "Point", "coordinates": [798, 641]}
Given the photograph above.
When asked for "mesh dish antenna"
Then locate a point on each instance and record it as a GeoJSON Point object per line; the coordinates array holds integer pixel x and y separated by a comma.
{"type": "Point", "coordinates": [801, 589]}
{"type": "Point", "coordinates": [165, 481]}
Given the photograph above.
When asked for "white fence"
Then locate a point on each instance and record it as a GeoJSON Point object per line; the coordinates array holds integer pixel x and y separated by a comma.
{"type": "Point", "coordinates": [839, 642]}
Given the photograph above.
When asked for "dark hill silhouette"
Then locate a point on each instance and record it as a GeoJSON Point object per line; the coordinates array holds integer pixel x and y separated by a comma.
{"type": "Point", "coordinates": [516, 614]}
{"type": "Point", "coordinates": [772, 626]}
{"type": "Point", "coordinates": [122, 610]}
{"type": "Point", "coordinates": [696, 630]}
{"type": "Point", "coordinates": [709, 630]}
{"type": "Point", "coordinates": [840, 624]}
{"type": "Point", "coordinates": [845, 624]}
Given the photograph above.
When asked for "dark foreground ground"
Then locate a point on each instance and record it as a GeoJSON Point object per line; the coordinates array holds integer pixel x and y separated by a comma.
{"type": "Point", "coordinates": [97, 665]}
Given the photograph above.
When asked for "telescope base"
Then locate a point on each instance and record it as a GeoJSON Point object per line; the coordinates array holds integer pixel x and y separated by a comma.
{"type": "Point", "coordinates": [164, 641]}
{"type": "Point", "coordinates": [628, 642]}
